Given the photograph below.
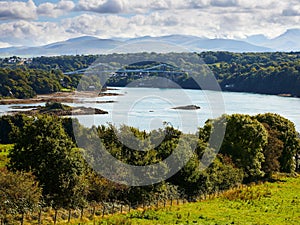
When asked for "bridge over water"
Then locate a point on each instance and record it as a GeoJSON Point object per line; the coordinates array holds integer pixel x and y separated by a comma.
{"type": "Point", "coordinates": [107, 69]}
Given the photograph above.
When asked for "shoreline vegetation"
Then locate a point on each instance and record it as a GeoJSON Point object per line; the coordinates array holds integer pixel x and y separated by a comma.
{"type": "Point", "coordinates": [274, 73]}
{"type": "Point", "coordinates": [58, 109]}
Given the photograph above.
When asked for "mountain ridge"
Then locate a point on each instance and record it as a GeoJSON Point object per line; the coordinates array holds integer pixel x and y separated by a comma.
{"type": "Point", "coordinates": [287, 41]}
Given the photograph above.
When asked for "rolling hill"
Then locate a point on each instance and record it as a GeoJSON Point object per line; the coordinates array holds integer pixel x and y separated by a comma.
{"type": "Point", "coordinates": [176, 43]}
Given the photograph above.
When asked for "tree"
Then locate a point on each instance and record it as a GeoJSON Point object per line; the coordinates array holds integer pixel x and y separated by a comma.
{"type": "Point", "coordinates": [272, 152]}
{"type": "Point", "coordinates": [220, 175]}
{"type": "Point", "coordinates": [286, 133]}
{"type": "Point", "coordinates": [43, 147]}
{"type": "Point", "coordinates": [19, 193]}
{"type": "Point", "coordinates": [8, 124]}
{"type": "Point", "coordinates": [244, 141]}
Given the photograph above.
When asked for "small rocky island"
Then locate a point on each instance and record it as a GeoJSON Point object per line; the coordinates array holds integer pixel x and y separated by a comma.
{"type": "Point", "coordinates": [59, 109]}
{"type": "Point", "coordinates": [187, 107]}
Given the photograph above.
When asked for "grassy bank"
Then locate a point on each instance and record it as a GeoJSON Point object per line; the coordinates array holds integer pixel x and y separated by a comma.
{"type": "Point", "coordinates": [268, 203]}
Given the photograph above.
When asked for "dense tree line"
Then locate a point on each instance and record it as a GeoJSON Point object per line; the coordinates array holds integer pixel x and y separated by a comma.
{"type": "Point", "coordinates": [45, 151]}
{"type": "Point", "coordinates": [267, 73]}
{"type": "Point", "coordinates": [26, 83]}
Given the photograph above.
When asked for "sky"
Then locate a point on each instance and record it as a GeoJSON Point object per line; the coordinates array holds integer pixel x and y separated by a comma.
{"type": "Point", "coordinates": [39, 22]}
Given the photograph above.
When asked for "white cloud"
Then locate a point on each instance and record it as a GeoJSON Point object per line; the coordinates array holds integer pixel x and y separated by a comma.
{"type": "Point", "coordinates": [4, 45]}
{"type": "Point", "coordinates": [55, 10]}
{"type": "Point", "coordinates": [31, 33]}
{"type": "Point", "coordinates": [17, 10]}
{"type": "Point", "coordinates": [154, 17]}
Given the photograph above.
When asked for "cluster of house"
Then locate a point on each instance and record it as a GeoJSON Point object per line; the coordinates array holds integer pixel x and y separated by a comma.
{"type": "Point", "coordinates": [18, 60]}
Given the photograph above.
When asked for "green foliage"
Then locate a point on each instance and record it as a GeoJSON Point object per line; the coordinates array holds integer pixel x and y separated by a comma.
{"type": "Point", "coordinates": [244, 141]}
{"type": "Point", "coordinates": [8, 124]}
{"type": "Point", "coordinates": [19, 193]}
{"type": "Point", "coordinates": [221, 175]}
{"type": "Point", "coordinates": [11, 123]}
{"type": "Point", "coordinates": [43, 147]}
{"type": "Point", "coordinates": [4, 150]}
{"type": "Point", "coordinates": [272, 152]}
{"type": "Point", "coordinates": [266, 73]}
{"type": "Point", "coordinates": [26, 83]}
{"type": "Point", "coordinates": [286, 134]}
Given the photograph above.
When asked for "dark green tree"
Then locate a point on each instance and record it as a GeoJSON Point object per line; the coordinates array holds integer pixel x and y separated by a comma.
{"type": "Point", "coordinates": [244, 141]}
{"type": "Point", "coordinates": [43, 147]}
{"type": "Point", "coordinates": [285, 132]}
{"type": "Point", "coordinates": [272, 152]}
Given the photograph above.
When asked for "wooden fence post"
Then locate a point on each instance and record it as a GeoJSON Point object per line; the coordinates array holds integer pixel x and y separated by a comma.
{"type": "Point", "coordinates": [22, 218]}
{"type": "Point", "coordinates": [81, 213]}
{"type": "Point", "coordinates": [40, 216]}
{"type": "Point", "coordinates": [69, 216]}
{"type": "Point", "coordinates": [103, 211]}
{"type": "Point", "coordinates": [94, 211]}
{"type": "Point", "coordinates": [55, 216]}
{"type": "Point", "coordinates": [113, 208]}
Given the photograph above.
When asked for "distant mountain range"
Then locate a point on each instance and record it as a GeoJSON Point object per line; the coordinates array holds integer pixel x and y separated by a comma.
{"type": "Point", "coordinates": [287, 41]}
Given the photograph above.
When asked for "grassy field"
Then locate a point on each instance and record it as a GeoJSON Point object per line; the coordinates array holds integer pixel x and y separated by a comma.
{"type": "Point", "coordinates": [4, 150]}
{"type": "Point", "coordinates": [268, 203]}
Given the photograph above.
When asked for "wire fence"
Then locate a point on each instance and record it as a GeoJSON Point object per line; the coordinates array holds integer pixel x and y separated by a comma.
{"type": "Point", "coordinates": [93, 212]}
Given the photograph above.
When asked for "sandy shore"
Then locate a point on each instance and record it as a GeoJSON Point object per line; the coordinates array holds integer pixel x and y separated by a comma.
{"type": "Point", "coordinates": [62, 97]}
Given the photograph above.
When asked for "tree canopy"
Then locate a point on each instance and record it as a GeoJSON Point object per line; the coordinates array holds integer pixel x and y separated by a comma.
{"type": "Point", "coordinates": [43, 147]}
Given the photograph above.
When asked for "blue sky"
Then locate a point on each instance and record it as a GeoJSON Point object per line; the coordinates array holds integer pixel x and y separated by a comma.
{"type": "Point", "coordinates": [37, 22]}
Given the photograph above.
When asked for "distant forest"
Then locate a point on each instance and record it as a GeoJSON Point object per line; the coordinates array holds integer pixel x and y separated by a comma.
{"type": "Point", "coordinates": [265, 73]}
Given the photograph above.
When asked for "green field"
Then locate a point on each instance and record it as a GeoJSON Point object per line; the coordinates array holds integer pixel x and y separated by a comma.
{"type": "Point", "coordinates": [268, 203]}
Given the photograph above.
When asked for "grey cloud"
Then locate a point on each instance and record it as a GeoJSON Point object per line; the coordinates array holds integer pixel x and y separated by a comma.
{"type": "Point", "coordinates": [109, 6]}
{"type": "Point", "coordinates": [195, 4]}
{"type": "Point", "coordinates": [12, 10]}
{"type": "Point", "coordinates": [112, 6]}
{"type": "Point", "coordinates": [290, 12]}
{"type": "Point", "coordinates": [224, 3]}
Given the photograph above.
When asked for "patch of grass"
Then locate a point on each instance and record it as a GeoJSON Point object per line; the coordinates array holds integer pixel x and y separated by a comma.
{"type": "Point", "coordinates": [268, 203]}
{"type": "Point", "coordinates": [66, 90]}
{"type": "Point", "coordinates": [4, 150]}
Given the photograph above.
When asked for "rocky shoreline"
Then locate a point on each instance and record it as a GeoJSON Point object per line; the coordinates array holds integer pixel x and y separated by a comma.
{"type": "Point", "coordinates": [188, 107]}
{"type": "Point", "coordinates": [59, 109]}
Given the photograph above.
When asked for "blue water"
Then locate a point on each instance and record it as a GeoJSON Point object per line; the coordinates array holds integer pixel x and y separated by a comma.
{"type": "Point", "coordinates": [150, 108]}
